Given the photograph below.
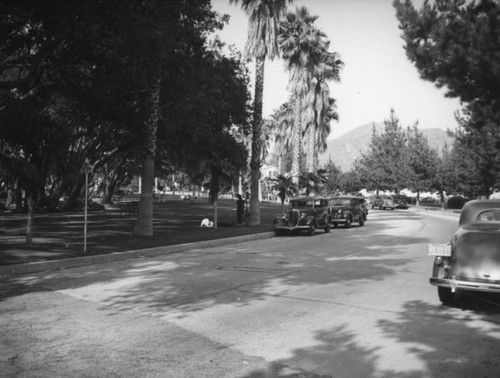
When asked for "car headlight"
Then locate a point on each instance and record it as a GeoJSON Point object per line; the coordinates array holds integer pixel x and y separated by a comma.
{"type": "Point", "coordinates": [339, 211]}
{"type": "Point", "coordinates": [302, 215]}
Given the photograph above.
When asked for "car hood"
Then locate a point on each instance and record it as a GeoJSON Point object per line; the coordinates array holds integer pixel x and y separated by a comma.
{"type": "Point", "coordinates": [477, 252]}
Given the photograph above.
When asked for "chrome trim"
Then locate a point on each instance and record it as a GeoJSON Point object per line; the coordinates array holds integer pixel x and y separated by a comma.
{"type": "Point", "coordinates": [465, 285]}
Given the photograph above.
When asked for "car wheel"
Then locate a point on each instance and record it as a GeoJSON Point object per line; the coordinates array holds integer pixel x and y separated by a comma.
{"type": "Point", "coordinates": [348, 222]}
{"type": "Point", "coordinates": [361, 221]}
{"type": "Point", "coordinates": [312, 229]}
{"type": "Point", "coordinates": [380, 208]}
{"type": "Point", "coordinates": [277, 232]}
{"type": "Point", "coordinates": [446, 296]}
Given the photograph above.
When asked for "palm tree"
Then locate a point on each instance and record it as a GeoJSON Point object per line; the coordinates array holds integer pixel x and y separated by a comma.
{"type": "Point", "coordinates": [324, 108]}
{"type": "Point", "coordinates": [263, 27]}
{"type": "Point", "coordinates": [323, 129]}
{"type": "Point", "coordinates": [302, 46]}
{"type": "Point", "coordinates": [286, 188]}
{"type": "Point", "coordinates": [282, 127]}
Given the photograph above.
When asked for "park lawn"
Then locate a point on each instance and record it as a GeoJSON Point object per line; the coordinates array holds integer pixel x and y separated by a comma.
{"type": "Point", "coordinates": [175, 221]}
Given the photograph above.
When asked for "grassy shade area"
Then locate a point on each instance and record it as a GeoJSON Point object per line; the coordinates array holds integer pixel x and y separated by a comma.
{"type": "Point", "coordinates": [176, 221]}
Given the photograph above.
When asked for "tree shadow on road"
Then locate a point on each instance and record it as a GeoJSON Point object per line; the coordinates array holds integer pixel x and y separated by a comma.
{"type": "Point", "coordinates": [434, 340]}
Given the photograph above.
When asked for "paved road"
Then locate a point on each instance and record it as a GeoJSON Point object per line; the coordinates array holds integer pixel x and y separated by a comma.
{"type": "Point", "coordinates": [352, 303]}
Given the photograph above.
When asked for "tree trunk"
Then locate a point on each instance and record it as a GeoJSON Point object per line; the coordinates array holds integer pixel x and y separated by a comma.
{"type": "Point", "coordinates": [109, 188]}
{"type": "Point", "coordinates": [215, 213]}
{"type": "Point", "coordinates": [144, 223]}
{"type": "Point", "coordinates": [29, 220]}
{"type": "Point", "coordinates": [74, 194]}
{"type": "Point", "coordinates": [310, 150]}
{"type": "Point", "coordinates": [255, 162]}
{"type": "Point", "coordinates": [296, 140]}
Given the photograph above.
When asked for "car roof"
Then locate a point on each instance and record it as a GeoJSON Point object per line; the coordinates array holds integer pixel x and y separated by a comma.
{"type": "Point", "coordinates": [306, 198]}
{"type": "Point", "coordinates": [473, 208]}
{"type": "Point", "coordinates": [346, 196]}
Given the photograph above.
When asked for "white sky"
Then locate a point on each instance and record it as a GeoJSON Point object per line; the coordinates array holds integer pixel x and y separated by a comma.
{"type": "Point", "coordinates": [377, 75]}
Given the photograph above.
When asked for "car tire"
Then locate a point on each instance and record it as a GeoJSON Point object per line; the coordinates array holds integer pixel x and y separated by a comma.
{"type": "Point", "coordinates": [361, 221]}
{"type": "Point", "coordinates": [312, 229]}
{"type": "Point", "coordinates": [348, 222]}
{"type": "Point", "coordinates": [278, 233]}
{"type": "Point", "coordinates": [446, 296]}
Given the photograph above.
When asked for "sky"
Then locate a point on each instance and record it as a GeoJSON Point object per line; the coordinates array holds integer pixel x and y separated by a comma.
{"type": "Point", "coordinates": [377, 75]}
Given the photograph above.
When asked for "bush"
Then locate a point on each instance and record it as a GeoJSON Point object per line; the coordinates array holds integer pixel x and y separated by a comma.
{"type": "Point", "coordinates": [456, 202]}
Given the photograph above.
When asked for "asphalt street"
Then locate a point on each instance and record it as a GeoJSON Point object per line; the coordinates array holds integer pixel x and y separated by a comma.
{"type": "Point", "coordinates": [352, 303]}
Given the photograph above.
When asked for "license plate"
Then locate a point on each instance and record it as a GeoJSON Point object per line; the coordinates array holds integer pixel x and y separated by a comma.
{"type": "Point", "coordinates": [439, 250]}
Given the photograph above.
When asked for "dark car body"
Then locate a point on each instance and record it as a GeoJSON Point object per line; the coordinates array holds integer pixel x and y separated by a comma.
{"type": "Point", "coordinates": [384, 201]}
{"type": "Point", "coordinates": [346, 210]}
{"type": "Point", "coordinates": [401, 202]}
{"type": "Point", "coordinates": [304, 213]}
{"type": "Point", "coordinates": [471, 260]}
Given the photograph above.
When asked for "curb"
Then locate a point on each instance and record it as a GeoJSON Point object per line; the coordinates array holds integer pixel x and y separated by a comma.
{"type": "Point", "coordinates": [436, 212]}
{"type": "Point", "coordinates": [44, 266]}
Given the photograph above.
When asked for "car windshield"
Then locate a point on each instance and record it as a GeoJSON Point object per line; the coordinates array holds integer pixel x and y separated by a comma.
{"type": "Point", "coordinates": [492, 215]}
{"type": "Point", "coordinates": [341, 202]}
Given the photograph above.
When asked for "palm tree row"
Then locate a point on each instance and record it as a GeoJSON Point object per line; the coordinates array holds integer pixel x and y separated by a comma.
{"type": "Point", "coordinates": [305, 118]}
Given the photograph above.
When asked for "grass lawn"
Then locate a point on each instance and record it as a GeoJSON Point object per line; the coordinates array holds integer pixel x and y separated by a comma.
{"type": "Point", "coordinates": [176, 221]}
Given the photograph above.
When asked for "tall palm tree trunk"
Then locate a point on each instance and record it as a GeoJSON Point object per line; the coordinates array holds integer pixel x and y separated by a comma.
{"type": "Point", "coordinates": [296, 140]}
{"type": "Point", "coordinates": [255, 162]}
{"type": "Point", "coordinates": [310, 149]}
{"type": "Point", "coordinates": [144, 223]}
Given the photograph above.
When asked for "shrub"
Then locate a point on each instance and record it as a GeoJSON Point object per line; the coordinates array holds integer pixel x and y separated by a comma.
{"type": "Point", "coordinates": [456, 202]}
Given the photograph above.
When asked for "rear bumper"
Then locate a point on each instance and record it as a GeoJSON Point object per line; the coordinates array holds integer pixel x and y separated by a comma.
{"type": "Point", "coordinates": [465, 285]}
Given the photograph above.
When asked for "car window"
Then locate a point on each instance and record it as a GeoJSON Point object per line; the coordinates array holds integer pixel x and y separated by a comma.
{"type": "Point", "coordinates": [304, 203]}
{"type": "Point", "coordinates": [489, 216]}
{"type": "Point", "coordinates": [341, 202]}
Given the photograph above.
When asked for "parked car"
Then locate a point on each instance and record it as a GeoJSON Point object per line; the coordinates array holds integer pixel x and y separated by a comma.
{"type": "Point", "coordinates": [471, 260]}
{"type": "Point", "coordinates": [304, 214]}
{"type": "Point", "coordinates": [401, 202]}
{"type": "Point", "coordinates": [383, 202]}
{"type": "Point", "coordinates": [346, 210]}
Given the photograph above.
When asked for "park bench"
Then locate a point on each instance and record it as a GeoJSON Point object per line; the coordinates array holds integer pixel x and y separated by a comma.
{"type": "Point", "coordinates": [129, 207]}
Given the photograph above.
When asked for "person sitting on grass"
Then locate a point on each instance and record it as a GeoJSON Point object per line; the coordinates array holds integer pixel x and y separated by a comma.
{"type": "Point", "coordinates": [206, 222]}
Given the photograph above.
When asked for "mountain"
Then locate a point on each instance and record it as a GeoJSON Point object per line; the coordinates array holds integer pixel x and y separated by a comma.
{"type": "Point", "coordinates": [344, 150]}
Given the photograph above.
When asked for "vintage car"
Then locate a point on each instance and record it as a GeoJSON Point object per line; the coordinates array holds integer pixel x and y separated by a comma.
{"type": "Point", "coordinates": [384, 201]}
{"type": "Point", "coordinates": [304, 213]}
{"type": "Point", "coordinates": [471, 260]}
{"type": "Point", "coordinates": [346, 210]}
{"type": "Point", "coordinates": [401, 202]}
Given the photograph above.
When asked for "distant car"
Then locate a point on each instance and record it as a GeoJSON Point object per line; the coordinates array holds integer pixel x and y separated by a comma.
{"type": "Point", "coordinates": [383, 202]}
{"type": "Point", "coordinates": [304, 214]}
{"type": "Point", "coordinates": [471, 260]}
{"type": "Point", "coordinates": [401, 202]}
{"type": "Point", "coordinates": [346, 210]}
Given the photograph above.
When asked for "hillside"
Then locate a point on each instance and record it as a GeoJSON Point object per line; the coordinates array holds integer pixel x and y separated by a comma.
{"type": "Point", "coordinates": [348, 147]}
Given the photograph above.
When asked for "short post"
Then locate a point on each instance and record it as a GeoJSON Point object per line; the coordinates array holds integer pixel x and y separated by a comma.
{"type": "Point", "coordinates": [86, 169]}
